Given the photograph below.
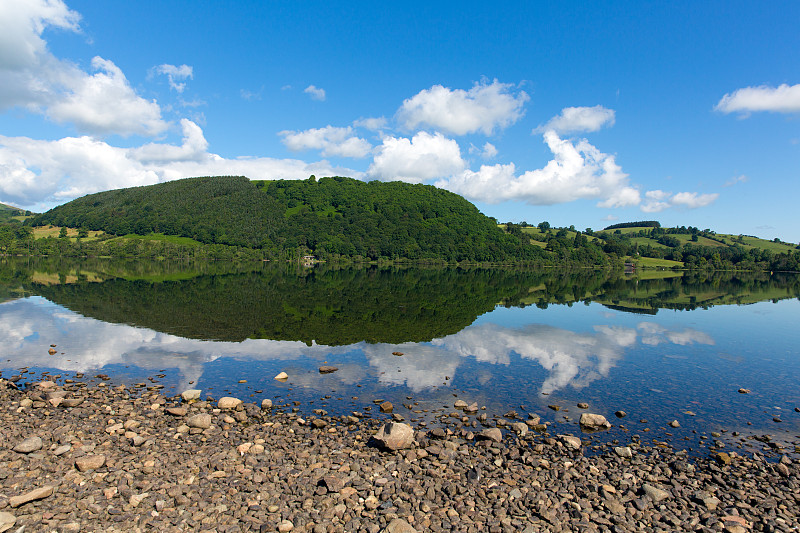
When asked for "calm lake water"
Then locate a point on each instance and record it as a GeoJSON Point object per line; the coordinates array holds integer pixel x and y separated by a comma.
{"type": "Point", "coordinates": [663, 349]}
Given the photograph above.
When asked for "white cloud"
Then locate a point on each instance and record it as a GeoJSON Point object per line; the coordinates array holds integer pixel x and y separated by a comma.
{"type": "Point", "coordinates": [736, 179]}
{"type": "Point", "coordinates": [424, 157]}
{"type": "Point", "coordinates": [485, 107]}
{"type": "Point", "coordinates": [317, 93]}
{"type": "Point", "coordinates": [31, 77]}
{"type": "Point", "coordinates": [104, 104]}
{"type": "Point", "coordinates": [332, 141]}
{"type": "Point", "coordinates": [38, 173]}
{"type": "Point", "coordinates": [654, 334]}
{"type": "Point", "coordinates": [373, 124]}
{"type": "Point", "coordinates": [175, 74]}
{"type": "Point", "coordinates": [489, 151]}
{"type": "Point", "coordinates": [21, 25]}
{"type": "Point", "coordinates": [579, 119]}
{"type": "Point", "coordinates": [658, 200]}
{"type": "Point", "coordinates": [578, 170]}
{"type": "Point", "coordinates": [782, 99]}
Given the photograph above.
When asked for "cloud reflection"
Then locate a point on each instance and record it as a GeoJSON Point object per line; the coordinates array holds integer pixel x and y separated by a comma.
{"type": "Point", "coordinates": [571, 359]}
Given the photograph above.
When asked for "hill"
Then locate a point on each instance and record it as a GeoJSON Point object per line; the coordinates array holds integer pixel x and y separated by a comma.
{"type": "Point", "coordinates": [330, 217]}
{"type": "Point", "coordinates": [9, 213]}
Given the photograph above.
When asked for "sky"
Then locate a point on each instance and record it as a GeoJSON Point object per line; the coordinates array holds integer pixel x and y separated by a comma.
{"type": "Point", "coordinates": [580, 113]}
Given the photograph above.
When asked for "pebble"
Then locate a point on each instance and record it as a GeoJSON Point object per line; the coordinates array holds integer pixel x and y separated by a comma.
{"type": "Point", "coordinates": [273, 472]}
{"type": "Point", "coordinates": [327, 369]}
{"type": "Point", "coordinates": [283, 376]}
{"type": "Point", "coordinates": [29, 445]}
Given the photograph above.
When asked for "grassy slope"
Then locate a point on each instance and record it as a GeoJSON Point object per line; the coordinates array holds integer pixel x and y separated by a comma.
{"type": "Point", "coordinates": [750, 242]}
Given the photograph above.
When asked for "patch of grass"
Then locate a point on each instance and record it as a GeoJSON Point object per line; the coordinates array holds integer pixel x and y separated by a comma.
{"type": "Point", "coordinates": [163, 238]}
{"type": "Point", "coordinates": [652, 262]}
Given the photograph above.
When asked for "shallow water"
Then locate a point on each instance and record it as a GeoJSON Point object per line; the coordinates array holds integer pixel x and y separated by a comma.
{"type": "Point", "coordinates": [659, 349]}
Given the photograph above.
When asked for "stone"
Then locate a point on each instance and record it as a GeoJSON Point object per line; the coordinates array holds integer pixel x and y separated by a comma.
{"type": "Point", "coordinates": [398, 354]}
{"type": "Point", "coordinates": [471, 409]}
{"type": "Point", "coordinates": [90, 462]}
{"type": "Point", "coordinates": [620, 414]}
{"type": "Point", "coordinates": [571, 441]}
{"type": "Point", "coordinates": [520, 428]}
{"type": "Point", "coordinates": [283, 376]}
{"type": "Point", "coordinates": [285, 526]}
{"type": "Point", "coordinates": [191, 395]}
{"type": "Point", "coordinates": [176, 411]}
{"type": "Point", "coordinates": [675, 424]}
{"type": "Point", "coordinates": [7, 521]}
{"type": "Point", "coordinates": [29, 445]}
{"type": "Point", "coordinates": [460, 404]}
{"type": "Point", "coordinates": [229, 402]}
{"type": "Point", "coordinates": [386, 407]}
{"type": "Point", "coordinates": [200, 420]}
{"type": "Point", "coordinates": [35, 494]}
{"type": "Point", "coordinates": [266, 404]}
{"type": "Point", "coordinates": [492, 434]}
{"type": "Point", "coordinates": [593, 422]}
{"type": "Point", "coordinates": [583, 405]}
{"type": "Point", "coordinates": [744, 391]}
{"type": "Point", "coordinates": [655, 493]}
{"type": "Point", "coordinates": [723, 458]}
{"type": "Point", "coordinates": [398, 525]}
{"type": "Point", "coordinates": [327, 369]}
{"type": "Point", "coordinates": [623, 451]}
{"type": "Point", "coordinates": [395, 436]}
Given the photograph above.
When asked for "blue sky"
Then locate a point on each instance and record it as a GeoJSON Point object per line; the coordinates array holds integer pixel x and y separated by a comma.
{"type": "Point", "coordinates": [584, 114]}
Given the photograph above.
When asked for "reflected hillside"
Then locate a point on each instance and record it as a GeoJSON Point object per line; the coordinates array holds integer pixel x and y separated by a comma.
{"type": "Point", "coordinates": [335, 307]}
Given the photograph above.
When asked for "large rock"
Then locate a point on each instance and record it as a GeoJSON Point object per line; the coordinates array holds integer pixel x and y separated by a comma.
{"type": "Point", "coordinates": [29, 445]}
{"type": "Point", "coordinates": [7, 521]}
{"type": "Point", "coordinates": [90, 462]}
{"type": "Point", "coordinates": [398, 525]}
{"type": "Point", "coordinates": [200, 420]}
{"type": "Point", "coordinates": [492, 434]}
{"type": "Point", "coordinates": [655, 493]}
{"type": "Point", "coordinates": [395, 436]}
{"type": "Point", "coordinates": [571, 441]}
{"type": "Point", "coordinates": [191, 395]}
{"type": "Point", "coordinates": [593, 422]}
{"type": "Point", "coordinates": [35, 494]}
{"type": "Point", "coordinates": [229, 402]}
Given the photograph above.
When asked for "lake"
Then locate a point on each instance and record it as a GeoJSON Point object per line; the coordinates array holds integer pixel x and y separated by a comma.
{"type": "Point", "coordinates": [661, 346]}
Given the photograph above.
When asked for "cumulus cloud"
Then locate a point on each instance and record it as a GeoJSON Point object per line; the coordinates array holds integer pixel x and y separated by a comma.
{"type": "Point", "coordinates": [578, 120]}
{"type": "Point", "coordinates": [654, 334]}
{"type": "Point", "coordinates": [37, 173]}
{"type": "Point", "coordinates": [782, 99]}
{"type": "Point", "coordinates": [175, 74]}
{"type": "Point", "coordinates": [317, 93]}
{"type": "Point", "coordinates": [485, 107]}
{"type": "Point", "coordinates": [578, 170]}
{"type": "Point", "coordinates": [424, 157]}
{"type": "Point", "coordinates": [658, 200]}
{"type": "Point", "coordinates": [105, 103]}
{"type": "Point", "coordinates": [330, 140]}
{"type": "Point", "coordinates": [31, 77]}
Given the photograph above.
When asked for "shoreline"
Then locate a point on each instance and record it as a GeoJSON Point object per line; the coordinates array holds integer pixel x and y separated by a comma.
{"type": "Point", "coordinates": [111, 458]}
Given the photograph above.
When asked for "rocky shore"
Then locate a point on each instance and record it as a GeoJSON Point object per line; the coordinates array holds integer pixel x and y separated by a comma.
{"type": "Point", "coordinates": [96, 457]}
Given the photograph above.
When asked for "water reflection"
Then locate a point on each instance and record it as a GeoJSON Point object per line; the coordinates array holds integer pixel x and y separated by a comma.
{"type": "Point", "coordinates": [569, 358]}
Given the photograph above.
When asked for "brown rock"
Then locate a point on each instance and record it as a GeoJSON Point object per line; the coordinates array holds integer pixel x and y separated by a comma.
{"type": "Point", "coordinates": [492, 434]}
{"type": "Point", "coordinates": [395, 436]}
{"type": "Point", "coordinates": [35, 494]}
{"type": "Point", "coordinates": [90, 462]}
{"type": "Point", "coordinates": [200, 420]}
{"type": "Point", "coordinates": [386, 407]}
{"type": "Point", "coordinates": [327, 369]}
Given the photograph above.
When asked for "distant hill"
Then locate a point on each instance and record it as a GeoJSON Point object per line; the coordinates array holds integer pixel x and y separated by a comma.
{"type": "Point", "coordinates": [328, 217]}
{"type": "Point", "coordinates": [7, 212]}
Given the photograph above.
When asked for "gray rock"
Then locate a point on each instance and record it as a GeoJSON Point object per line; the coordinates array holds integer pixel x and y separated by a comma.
{"type": "Point", "coordinates": [200, 420]}
{"type": "Point", "coordinates": [492, 434]}
{"type": "Point", "coordinates": [593, 422]}
{"type": "Point", "coordinates": [191, 395]}
{"type": "Point", "coordinates": [623, 451]}
{"type": "Point", "coordinates": [520, 428]}
{"type": "Point", "coordinates": [266, 404]}
{"type": "Point", "coordinates": [571, 441]}
{"type": "Point", "coordinates": [395, 436]}
{"type": "Point", "coordinates": [229, 402]}
{"type": "Point", "coordinates": [655, 493]}
{"type": "Point", "coordinates": [675, 424]}
{"type": "Point", "coordinates": [29, 445]}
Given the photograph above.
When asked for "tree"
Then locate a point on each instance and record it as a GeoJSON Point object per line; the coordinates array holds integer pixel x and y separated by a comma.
{"type": "Point", "coordinates": [543, 226]}
{"type": "Point", "coordinates": [63, 233]}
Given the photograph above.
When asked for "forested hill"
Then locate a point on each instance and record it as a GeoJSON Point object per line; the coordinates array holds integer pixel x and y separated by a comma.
{"type": "Point", "coordinates": [328, 217]}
